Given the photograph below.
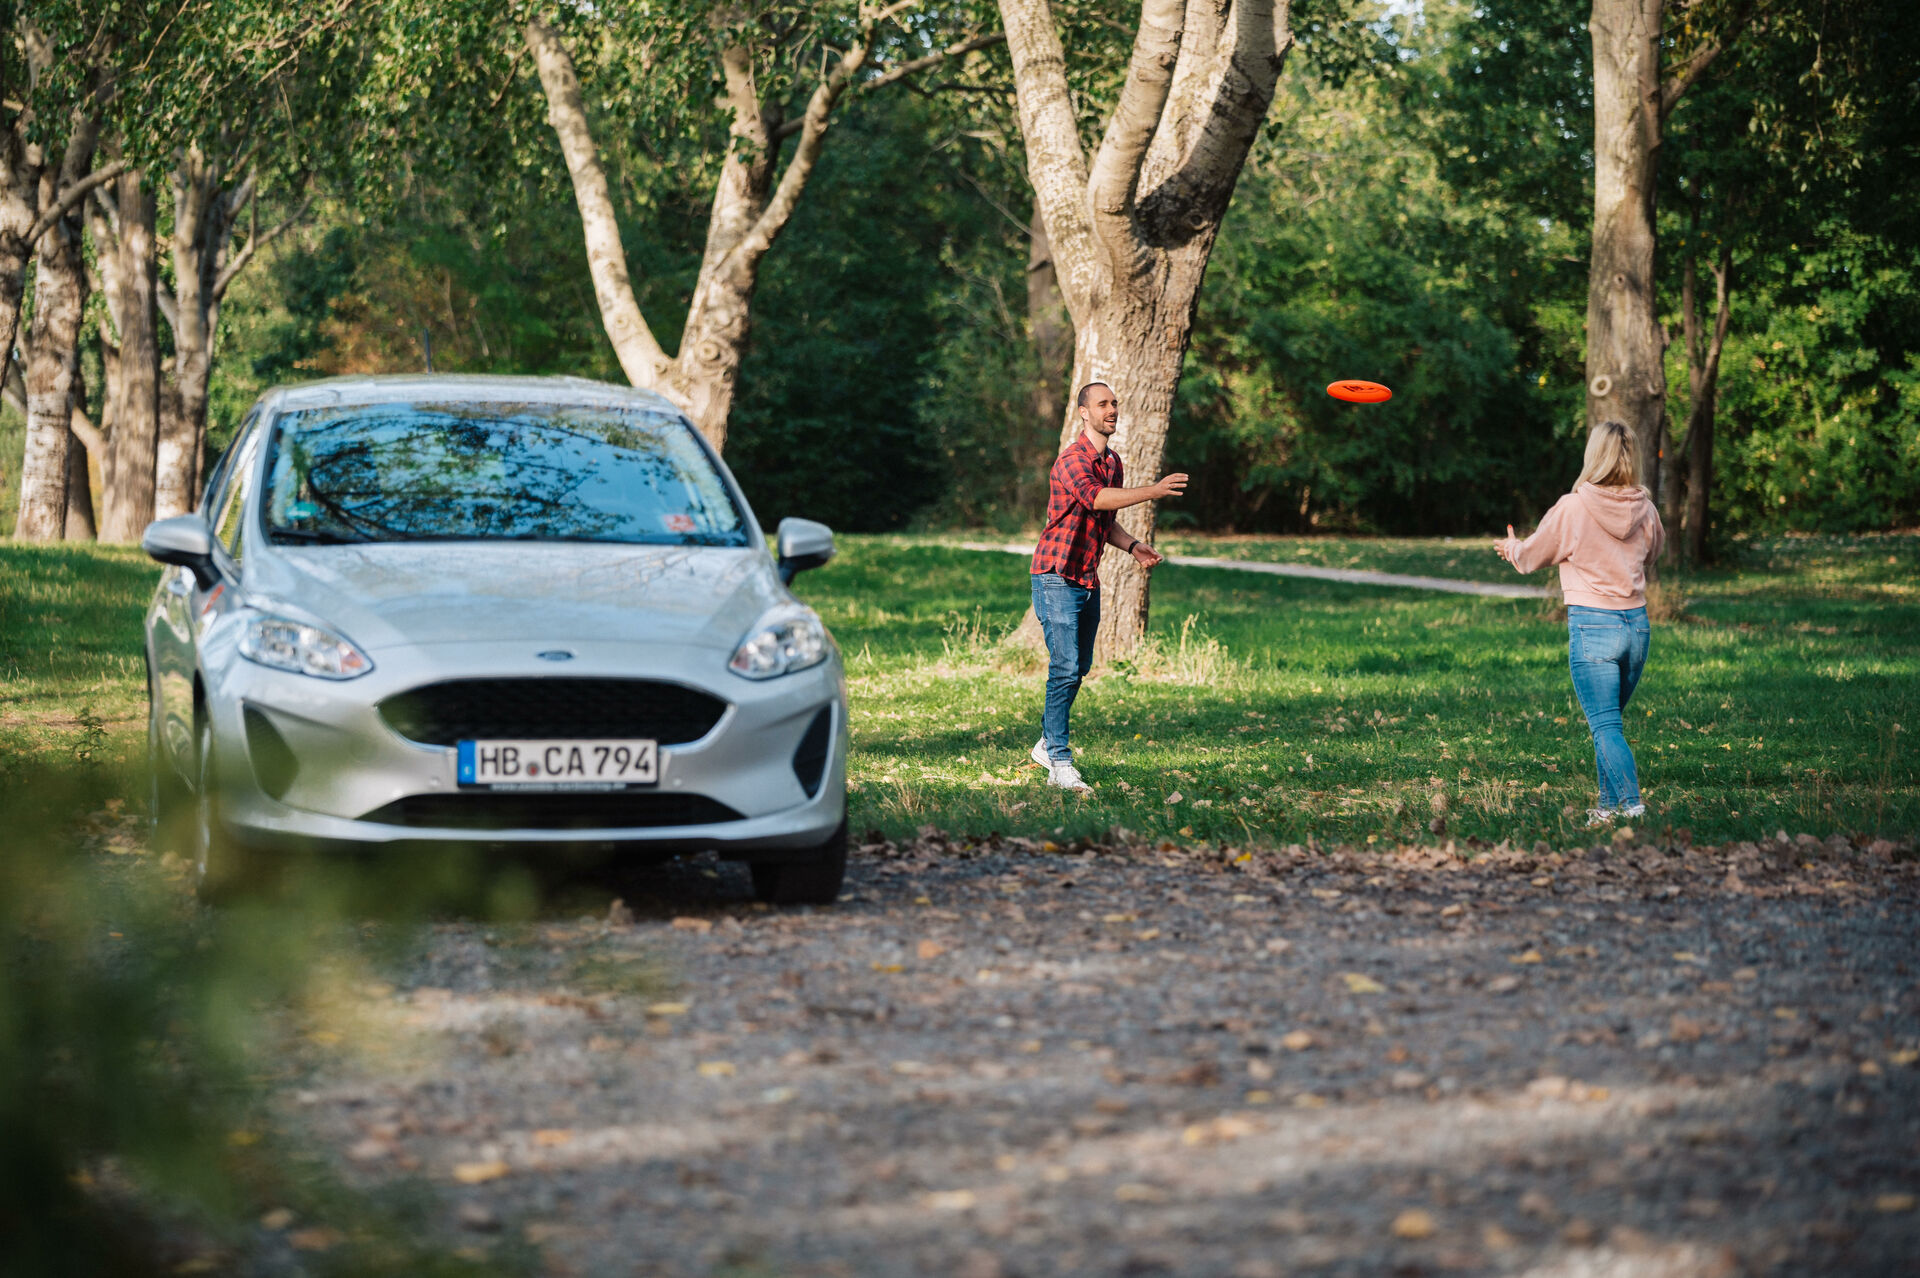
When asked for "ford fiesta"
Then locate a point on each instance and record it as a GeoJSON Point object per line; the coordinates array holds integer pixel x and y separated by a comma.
{"type": "Point", "coordinates": [505, 612]}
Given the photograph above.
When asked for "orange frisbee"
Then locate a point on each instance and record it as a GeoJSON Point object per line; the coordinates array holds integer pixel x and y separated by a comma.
{"type": "Point", "coordinates": [1355, 392]}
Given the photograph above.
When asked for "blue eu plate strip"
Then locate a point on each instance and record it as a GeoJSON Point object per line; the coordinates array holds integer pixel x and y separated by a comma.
{"type": "Point", "coordinates": [466, 763]}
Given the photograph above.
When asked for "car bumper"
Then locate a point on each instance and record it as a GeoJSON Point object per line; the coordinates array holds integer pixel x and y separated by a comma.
{"type": "Point", "coordinates": [347, 764]}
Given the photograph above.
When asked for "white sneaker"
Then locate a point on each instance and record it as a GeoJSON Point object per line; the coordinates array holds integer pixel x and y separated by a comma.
{"type": "Point", "coordinates": [1634, 810]}
{"type": "Point", "coordinates": [1599, 816]}
{"type": "Point", "coordinates": [1067, 777]}
{"type": "Point", "coordinates": [1039, 754]}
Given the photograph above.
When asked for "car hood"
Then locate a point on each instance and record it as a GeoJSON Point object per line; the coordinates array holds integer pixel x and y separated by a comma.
{"type": "Point", "coordinates": [385, 595]}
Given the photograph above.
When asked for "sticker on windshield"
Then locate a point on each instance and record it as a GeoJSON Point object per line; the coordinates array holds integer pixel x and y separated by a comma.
{"type": "Point", "coordinates": [303, 510]}
{"type": "Point", "coordinates": [678, 523]}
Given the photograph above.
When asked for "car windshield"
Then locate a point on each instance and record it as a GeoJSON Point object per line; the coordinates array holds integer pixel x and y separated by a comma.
{"type": "Point", "coordinates": [478, 471]}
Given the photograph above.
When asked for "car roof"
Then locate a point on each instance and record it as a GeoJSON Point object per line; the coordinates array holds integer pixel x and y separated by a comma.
{"type": "Point", "coordinates": [443, 388]}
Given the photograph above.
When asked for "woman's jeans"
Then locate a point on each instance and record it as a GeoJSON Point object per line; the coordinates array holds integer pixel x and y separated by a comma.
{"type": "Point", "coordinates": [1606, 650]}
{"type": "Point", "coordinates": [1069, 615]}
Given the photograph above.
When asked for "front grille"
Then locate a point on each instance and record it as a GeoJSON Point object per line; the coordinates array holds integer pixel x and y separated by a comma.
{"type": "Point", "coordinates": [508, 810]}
{"type": "Point", "coordinates": [444, 714]}
{"type": "Point", "coordinates": [810, 759]}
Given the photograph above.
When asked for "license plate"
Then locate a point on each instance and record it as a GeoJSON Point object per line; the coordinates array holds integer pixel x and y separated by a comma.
{"type": "Point", "coordinates": [597, 764]}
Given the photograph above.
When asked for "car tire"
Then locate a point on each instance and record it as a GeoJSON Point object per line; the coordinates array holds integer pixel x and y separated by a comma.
{"type": "Point", "coordinates": [810, 878]}
{"type": "Point", "coordinates": [222, 870]}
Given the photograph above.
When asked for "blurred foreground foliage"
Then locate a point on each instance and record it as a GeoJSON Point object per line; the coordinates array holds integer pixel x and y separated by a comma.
{"type": "Point", "coordinates": [135, 1134]}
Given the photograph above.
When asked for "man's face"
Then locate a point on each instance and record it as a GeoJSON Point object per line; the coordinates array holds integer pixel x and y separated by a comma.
{"type": "Point", "coordinates": [1101, 413]}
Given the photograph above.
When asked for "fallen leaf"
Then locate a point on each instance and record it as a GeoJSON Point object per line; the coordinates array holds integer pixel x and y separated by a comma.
{"type": "Point", "coordinates": [686, 923]}
{"type": "Point", "coordinates": [1530, 956]}
{"type": "Point", "coordinates": [1413, 1223]}
{"type": "Point", "coordinates": [1174, 797]}
{"type": "Point", "coordinates": [1452, 911]}
{"type": "Point", "coordinates": [667, 1009]}
{"type": "Point", "coordinates": [1297, 1041]}
{"type": "Point", "coordinates": [318, 1238]}
{"type": "Point", "coordinates": [1360, 983]}
{"type": "Point", "coordinates": [480, 1173]}
{"type": "Point", "coordinates": [549, 1137]}
{"type": "Point", "coordinates": [715, 1069]}
{"type": "Point", "coordinates": [950, 1199]}
{"type": "Point", "coordinates": [931, 949]}
{"type": "Point", "coordinates": [1503, 984]}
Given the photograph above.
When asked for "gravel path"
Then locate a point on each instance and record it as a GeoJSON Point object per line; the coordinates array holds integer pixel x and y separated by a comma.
{"type": "Point", "coordinates": [1002, 1059]}
{"type": "Point", "coordinates": [1352, 576]}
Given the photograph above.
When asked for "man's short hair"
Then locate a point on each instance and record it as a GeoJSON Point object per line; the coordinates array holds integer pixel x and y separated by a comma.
{"type": "Point", "coordinates": [1080, 400]}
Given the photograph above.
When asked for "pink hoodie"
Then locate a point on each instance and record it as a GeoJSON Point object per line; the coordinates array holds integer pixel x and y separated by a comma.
{"type": "Point", "coordinates": [1603, 539]}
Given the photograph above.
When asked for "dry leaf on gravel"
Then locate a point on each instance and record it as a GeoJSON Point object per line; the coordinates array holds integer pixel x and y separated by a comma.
{"type": "Point", "coordinates": [715, 1069]}
{"type": "Point", "coordinates": [1413, 1223]}
{"type": "Point", "coordinates": [1359, 983]}
{"type": "Point", "coordinates": [480, 1172]}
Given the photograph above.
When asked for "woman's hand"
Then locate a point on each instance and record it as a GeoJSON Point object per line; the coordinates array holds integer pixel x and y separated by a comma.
{"type": "Point", "coordinates": [1509, 548]}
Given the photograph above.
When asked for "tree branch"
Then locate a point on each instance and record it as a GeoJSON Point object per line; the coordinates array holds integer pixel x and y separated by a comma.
{"type": "Point", "coordinates": [254, 243]}
{"type": "Point", "coordinates": [1056, 164]}
{"type": "Point", "coordinates": [74, 193]}
{"type": "Point", "coordinates": [1689, 72]}
{"type": "Point", "coordinates": [633, 342]}
{"type": "Point", "coordinates": [1116, 166]}
{"type": "Point", "coordinates": [901, 71]}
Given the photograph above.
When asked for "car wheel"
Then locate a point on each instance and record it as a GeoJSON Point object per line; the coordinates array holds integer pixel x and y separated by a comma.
{"type": "Point", "coordinates": [812, 878]}
{"type": "Point", "coordinates": [221, 868]}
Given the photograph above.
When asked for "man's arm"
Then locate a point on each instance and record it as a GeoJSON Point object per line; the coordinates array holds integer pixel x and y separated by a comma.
{"type": "Point", "coordinates": [1121, 498]}
{"type": "Point", "coordinates": [1120, 539]}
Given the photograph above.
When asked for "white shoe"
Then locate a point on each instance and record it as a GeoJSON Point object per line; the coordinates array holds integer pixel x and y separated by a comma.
{"type": "Point", "coordinates": [1634, 810]}
{"type": "Point", "coordinates": [1067, 777]}
{"type": "Point", "coordinates": [1039, 754]}
{"type": "Point", "coordinates": [1600, 816]}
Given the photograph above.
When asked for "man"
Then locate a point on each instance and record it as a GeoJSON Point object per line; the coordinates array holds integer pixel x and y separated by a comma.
{"type": "Point", "coordinates": [1083, 491]}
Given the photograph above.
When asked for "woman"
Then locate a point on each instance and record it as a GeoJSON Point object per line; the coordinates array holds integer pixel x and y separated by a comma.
{"type": "Point", "coordinates": [1603, 535]}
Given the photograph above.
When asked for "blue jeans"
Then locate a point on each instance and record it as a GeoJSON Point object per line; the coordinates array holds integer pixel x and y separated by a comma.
{"type": "Point", "coordinates": [1069, 615]}
{"type": "Point", "coordinates": [1606, 650]}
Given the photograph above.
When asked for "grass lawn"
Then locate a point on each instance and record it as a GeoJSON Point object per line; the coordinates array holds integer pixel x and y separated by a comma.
{"type": "Point", "coordinates": [1276, 710]}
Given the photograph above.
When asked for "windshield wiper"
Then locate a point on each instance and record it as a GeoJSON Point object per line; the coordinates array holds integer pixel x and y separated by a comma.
{"type": "Point", "coordinates": [317, 536]}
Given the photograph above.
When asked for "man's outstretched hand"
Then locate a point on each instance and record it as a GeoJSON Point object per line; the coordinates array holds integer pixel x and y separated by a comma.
{"type": "Point", "coordinates": [1170, 486]}
{"type": "Point", "coordinates": [1146, 556]}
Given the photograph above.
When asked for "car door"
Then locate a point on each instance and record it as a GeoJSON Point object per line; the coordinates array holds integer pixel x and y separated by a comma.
{"type": "Point", "coordinates": [179, 612]}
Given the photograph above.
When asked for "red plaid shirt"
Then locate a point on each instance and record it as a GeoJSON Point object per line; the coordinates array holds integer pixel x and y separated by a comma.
{"type": "Point", "coordinates": [1076, 533]}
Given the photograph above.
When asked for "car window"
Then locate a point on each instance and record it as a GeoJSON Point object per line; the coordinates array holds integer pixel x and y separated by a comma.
{"type": "Point", "coordinates": [213, 497]}
{"type": "Point", "coordinates": [227, 528]}
{"type": "Point", "coordinates": [496, 471]}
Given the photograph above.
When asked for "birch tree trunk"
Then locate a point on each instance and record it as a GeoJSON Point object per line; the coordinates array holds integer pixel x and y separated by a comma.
{"type": "Point", "coordinates": [749, 212]}
{"type": "Point", "coordinates": [53, 350]}
{"type": "Point", "coordinates": [1132, 232]}
{"type": "Point", "coordinates": [133, 396]}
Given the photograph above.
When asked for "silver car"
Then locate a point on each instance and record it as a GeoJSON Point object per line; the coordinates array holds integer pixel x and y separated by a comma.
{"type": "Point", "coordinates": [497, 612]}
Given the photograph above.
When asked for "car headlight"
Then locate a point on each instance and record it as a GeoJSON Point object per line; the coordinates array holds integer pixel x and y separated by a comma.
{"type": "Point", "coordinates": [285, 644]}
{"type": "Point", "coordinates": [785, 639]}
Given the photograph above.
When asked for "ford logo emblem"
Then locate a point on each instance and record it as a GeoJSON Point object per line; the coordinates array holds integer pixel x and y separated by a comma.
{"type": "Point", "coordinates": [555, 654]}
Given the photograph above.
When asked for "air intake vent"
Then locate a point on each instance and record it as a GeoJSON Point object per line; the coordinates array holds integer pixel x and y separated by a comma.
{"type": "Point", "coordinates": [444, 714]}
{"type": "Point", "coordinates": [273, 762]}
{"type": "Point", "coordinates": [506, 810]}
{"type": "Point", "coordinates": [810, 759]}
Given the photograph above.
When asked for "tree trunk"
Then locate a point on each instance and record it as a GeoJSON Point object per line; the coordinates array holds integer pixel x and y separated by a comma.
{"type": "Point", "coordinates": [53, 354]}
{"type": "Point", "coordinates": [129, 470]}
{"type": "Point", "coordinates": [1626, 376]}
{"type": "Point", "coordinates": [81, 524]}
{"type": "Point", "coordinates": [749, 212]}
{"type": "Point", "coordinates": [1049, 329]}
{"type": "Point", "coordinates": [1132, 231]}
{"type": "Point", "coordinates": [1703, 379]}
{"type": "Point", "coordinates": [203, 212]}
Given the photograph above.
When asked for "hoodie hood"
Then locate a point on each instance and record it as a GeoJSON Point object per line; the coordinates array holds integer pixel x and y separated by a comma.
{"type": "Point", "coordinates": [1618, 511]}
{"type": "Point", "coordinates": [413, 593]}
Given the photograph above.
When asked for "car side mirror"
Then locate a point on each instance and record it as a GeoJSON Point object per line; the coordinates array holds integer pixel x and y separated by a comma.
{"type": "Point", "coordinates": [801, 544]}
{"type": "Point", "coordinates": [184, 540]}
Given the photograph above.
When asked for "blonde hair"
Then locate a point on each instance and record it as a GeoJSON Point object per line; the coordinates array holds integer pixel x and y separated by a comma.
{"type": "Point", "coordinates": [1611, 461]}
